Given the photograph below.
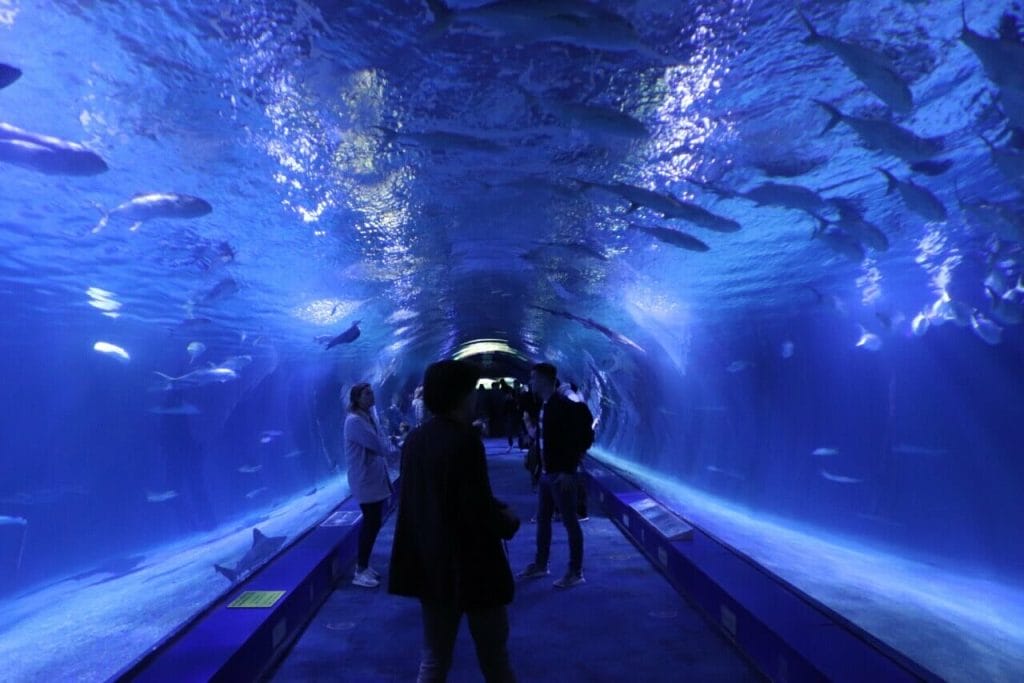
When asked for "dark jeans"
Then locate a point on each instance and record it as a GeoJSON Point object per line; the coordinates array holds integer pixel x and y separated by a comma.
{"type": "Point", "coordinates": [373, 515]}
{"type": "Point", "coordinates": [489, 628]}
{"type": "Point", "coordinates": [563, 496]}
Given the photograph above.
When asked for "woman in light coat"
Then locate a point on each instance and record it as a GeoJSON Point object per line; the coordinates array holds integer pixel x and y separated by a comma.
{"type": "Point", "coordinates": [366, 450]}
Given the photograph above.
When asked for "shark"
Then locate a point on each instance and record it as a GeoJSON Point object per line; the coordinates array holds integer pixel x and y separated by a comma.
{"type": "Point", "coordinates": [262, 549]}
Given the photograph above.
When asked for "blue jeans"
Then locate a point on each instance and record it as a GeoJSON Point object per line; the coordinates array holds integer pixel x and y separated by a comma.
{"type": "Point", "coordinates": [561, 495]}
{"type": "Point", "coordinates": [489, 628]}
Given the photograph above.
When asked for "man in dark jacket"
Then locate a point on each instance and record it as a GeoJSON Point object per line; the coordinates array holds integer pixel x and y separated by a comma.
{"type": "Point", "coordinates": [448, 548]}
{"type": "Point", "coordinates": [565, 433]}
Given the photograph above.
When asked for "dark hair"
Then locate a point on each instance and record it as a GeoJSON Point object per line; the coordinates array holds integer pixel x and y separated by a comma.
{"type": "Point", "coordinates": [353, 396]}
{"type": "Point", "coordinates": [546, 370]}
{"type": "Point", "coordinates": [446, 383]}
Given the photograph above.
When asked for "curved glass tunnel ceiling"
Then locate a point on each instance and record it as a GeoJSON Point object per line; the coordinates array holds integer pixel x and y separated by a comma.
{"type": "Point", "coordinates": [779, 252]}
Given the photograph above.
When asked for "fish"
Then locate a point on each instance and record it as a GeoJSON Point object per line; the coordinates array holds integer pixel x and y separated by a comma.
{"type": "Point", "coordinates": [920, 324]}
{"type": "Point", "coordinates": [840, 479]}
{"type": "Point", "coordinates": [346, 337]}
{"type": "Point", "coordinates": [1001, 59]}
{"type": "Point", "coordinates": [250, 469]}
{"type": "Point", "coordinates": [883, 135]}
{"type": "Point", "coordinates": [1007, 308]}
{"type": "Point", "coordinates": [674, 238]}
{"type": "Point", "coordinates": [580, 248]}
{"type": "Point", "coordinates": [932, 167]}
{"type": "Point", "coordinates": [262, 549]}
{"type": "Point", "coordinates": [223, 289]}
{"type": "Point", "coordinates": [851, 220]}
{"type": "Point", "coordinates": [161, 496]}
{"type": "Point", "coordinates": [788, 167]}
{"type": "Point", "coordinates": [144, 207]}
{"type": "Point", "coordinates": [442, 140]}
{"type": "Point", "coordinates": [572, 22]}
{"type": "Point", "coordinates": [946, 310]}
{"type": "Point", "coordinates": [111, 350]}
{"type": "Point", "coordinates": [916, 198]}
{"type": "Point", "coordinates": [46, 154]}
{"type": "Point", "coordinates": [839, 241]}
{"type": "Point", "coordinates": [868, 341]}
{"type": "Point", "coordinates": [180, 409]}
{"type": "Point", "coordinates": [8, 74]}
{"type": "Point", "coordinates": [269, 435]}
{"type": "Point", "coordinates": [292, 454]}
{"type": "Point", "coordinates": [667, 205]}
{"type": "Point", "coordinates": [593, 325]}
{"type": "Point", "coordinates": [739, 366]}
{"type": "Point", "coordinates": [1002, 218]}
{"type": "Point", "coordinates": [825, 452]}
{"type": "Point", "coordinates": [198, 378]}
{"type": "Point", "coordinates": [256, 492]}
{"type": "Point", "coordinates": [788, 349]}
{"type": "Point", "coordinates": [787, 196]}
{"type": "Point", "coordinates": [195, 349]}
{"type": "Point", "coordinates": [6, 520]}
{"type": "Point", "coordinates": [1009, 161]}
{"type": "Point", "coordinates": [985, 329]}
{"type": "Point", "coordinates": [872, 68]}
{"type": "Point", "coordinates": [602, 121]}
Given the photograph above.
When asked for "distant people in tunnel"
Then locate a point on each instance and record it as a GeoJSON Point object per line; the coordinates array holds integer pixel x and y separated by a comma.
{"type": "Point", "coordinates": [564, 432]}
{"type": "Point", "coordinates": [418, 408]}
{"type": "Point", "coordinates": [448, 537]}
{"type": "Point", "coordinates": [366, 449]}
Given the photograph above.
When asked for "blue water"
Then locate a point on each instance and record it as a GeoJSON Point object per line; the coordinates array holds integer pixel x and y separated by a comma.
{"type": "Point", "coordinates": [325, 137]}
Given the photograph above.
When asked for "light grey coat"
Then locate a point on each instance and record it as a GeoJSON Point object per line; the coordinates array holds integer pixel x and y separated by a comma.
{"type": "Point", "coordinates": [366, 453]}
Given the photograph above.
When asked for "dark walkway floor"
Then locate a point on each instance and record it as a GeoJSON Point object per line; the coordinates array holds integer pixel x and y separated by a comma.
{"type": "Point", "coordinates": [625, 624]}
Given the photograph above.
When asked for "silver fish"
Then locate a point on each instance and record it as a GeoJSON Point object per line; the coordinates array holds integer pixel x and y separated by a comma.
{"type": "Point", "coordinates": [672, 237]}
{"type": "Point", "coordinates": [161, 496]}
{"type": "Point", "coordinates": [593, 119]}
{"type": "Point", "coordinates": [47, 154]}
{"type": "Point", "coordinates": [195, 349]}
{"type": "Point", "coordinates": [871, 68]}
{"type": "Point", "coordinates": [198, 378]}
{"type": "Point", "coordinates": [839, 241]}
{"type": "Point", "coordinates": [1001, 59]}
{"type": "Point", "coordinates": [788, 197]}
{"type": "Point", "coordinates": [667, 205]}
{"type": "Point", "coordinates": [885, 136]}
{"type": "Point", "coordinates": [918, 199]}
{"type": "Point", "coordinates": [853, 223]}
{"type": "Point", "coordinates": [1009, 161]}
{"type": "Point", "coordinates": [144, 207]}
{"type": "Point", "coordinates": [985, 329]}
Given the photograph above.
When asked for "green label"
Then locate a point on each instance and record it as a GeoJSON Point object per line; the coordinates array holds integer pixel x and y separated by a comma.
{"type": "Point", "coordinates": [257, 599]}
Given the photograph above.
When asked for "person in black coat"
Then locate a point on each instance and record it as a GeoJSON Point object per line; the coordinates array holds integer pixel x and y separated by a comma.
{"type": "Point", "coordinates": [448, 549]}
{"type": "Point", "coordinates": [564, 432]}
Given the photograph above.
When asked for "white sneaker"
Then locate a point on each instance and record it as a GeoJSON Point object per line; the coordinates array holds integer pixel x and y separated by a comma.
{"type": "Point", "coordinates": [373, 572]}
{"type": "Point", "coordinates": [365, 579]}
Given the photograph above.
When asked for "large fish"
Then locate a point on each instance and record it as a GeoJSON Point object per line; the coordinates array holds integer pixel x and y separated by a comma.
{"type": "Point", "coordinates": [1008, 160]}
{"type": "Point", "coordinates": [593, 119]}
{"type": "Point", "coordinates": [262, 549]}
{"type": "Point", "coordinates": [873, 69]}
{"type": "Point", "coordinates": [672, 237]}
{"type": "Point", "coordinates": [788, 197]}
{"type": "Point", "coordinates": [8, 74]}
{"type": "Point", "coordinates": [47, 154]}
{"type": "Point", "coordinates": [144, 207]}
{"type": "Point", "coordinates": [918, 199]}
{"type": "Point", "coordinates": [839, 241]}
{"type": "Point", "coordinates": [1001, 58]}
{"type": "Point", "coordinates": [1005, 219]}
{"type": "Point", "coordinates": [851, 220]}
{"type": "Point", "coordinates": [667, 205]}
{"type": "Point", "coordinates": [443, 140]}
{"type": "Point", "coordinates": [200, 377]}
{"type": "Point", "coordinates": [346, 337]}
{"type": "Point", "coordinates": [572, 22]}
{"type": "Point", "coordinates": [885, 136]}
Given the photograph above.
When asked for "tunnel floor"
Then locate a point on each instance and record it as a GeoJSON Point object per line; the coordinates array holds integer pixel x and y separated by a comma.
{"type": "Point", "coordinates": [625, 623]}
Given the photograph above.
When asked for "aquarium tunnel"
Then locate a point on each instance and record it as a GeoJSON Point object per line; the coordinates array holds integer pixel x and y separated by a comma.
{"type": "Point", "coordinates": [775, 247]}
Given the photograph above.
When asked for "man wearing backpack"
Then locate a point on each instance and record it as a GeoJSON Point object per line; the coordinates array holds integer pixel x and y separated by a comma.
{"type": "Point", "coordinates": [564, 433]}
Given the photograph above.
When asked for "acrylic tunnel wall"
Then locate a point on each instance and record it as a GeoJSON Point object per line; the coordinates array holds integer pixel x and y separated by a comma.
{"type": "Point", "coordinates": [779, 250]}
